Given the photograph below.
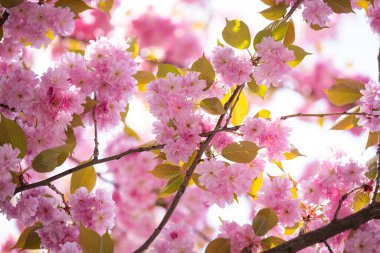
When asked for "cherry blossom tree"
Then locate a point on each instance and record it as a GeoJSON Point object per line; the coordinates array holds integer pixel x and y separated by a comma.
{"type": "Point", "coordinates": [206, 148]}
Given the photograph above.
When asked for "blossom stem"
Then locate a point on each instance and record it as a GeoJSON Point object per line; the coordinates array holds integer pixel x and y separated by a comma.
{"type": "Point", "coordinates": [321, 115]}
{"type": "Point", "coordinates": [96, 143]}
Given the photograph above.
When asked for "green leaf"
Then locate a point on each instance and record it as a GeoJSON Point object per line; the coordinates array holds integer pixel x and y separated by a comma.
{"type": "Point", "coordinates": [240, 152]}
{"type": "Point", "coordinates": [106, 245]}
{"type": "Point", "coordinates": [85, 177]}
{"type": "Point", "coordinates": [212, 106]}
{"type": "Point", "coordinates": [29, 239]}
{"type": "Point", "coordinates": [219, 245]}
{"type": "Point", "coordinates": [123, 115]}
{"type": "Point", "coordinates": [71, 140]}
{"type": "Point", "coordinates": [76, 6]}
{"type": "Point", "coordinates": [339, 6]}
{"type": "Point", "coordinates": [166, 171]}
{"type": "Point", "coordinates": [344, 91]}
{"type": "Point", "coordinates": [10, 3]}
{"type": "Point", "coordinates": [130, 132]}
{"type": "Point", "coordinates": [89, 240]}
{"type": "Point", "coordinates": [92, 242]}
{"type": "Point", "coordinates": [372, 140]}
{"type": "Point", "coordinates": [12, 133]}
{"type": "Point", "coordinates": [259, 90]}
{"type": "Point", "coordinates": [171, 187]}
{"type": "Point", "coordinates": [268, 2]}
{"type": "Point", "coordinates": [346, 122]}
{"type": "Point", "coordinates": [290, 35]}
{"type": "Point", "coordinates": [76, 121]}
{"type": "Point", "coordinates": [164, 69]}
{"type": "Point", "coordinates": [372, 168]}
{"type": "Point", "coordinates": [293, 153]}
{"type": "Point", "coordinates": [274, 12]}
{"type": "Point", "coordinates": [264, 113]}
{"type": "Point", "coordinates": [265, 220]}
{"type": "Point", "coordinates": [89, 105]}
{"type": "Point", "coordinates": [143, 78]}
{"type": "Point", "coordinates": [133, 47]}
{"type": "Point", "coordinates": [260, 36]}
{"type": "Point", "coordinates": [256, 186]}
{"type": "Point", "coordinates": [299, 54]}
{"type": "Point", "coordinates": [236, 34]}
{"type": "Point", "coordinates": [271, 242]}
{"type": "Point", "coordinates": [293, 229]}
{"type": "Point", "coordinates": [277, 30]}
{"type": "Point", "coordinates": [49, 159]}
{"type": "Point", "coordinates": [105, 5]}
{"type": "Point", "coordinates": [240, 110]}
{"type": "Point", "coordinates": [204, 67]}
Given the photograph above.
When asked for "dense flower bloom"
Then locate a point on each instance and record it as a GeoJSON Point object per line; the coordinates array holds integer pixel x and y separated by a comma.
{"type": "Point", "coordinates": [273, 64]}
{"type": "Point", "coordinates": [233, 69]}
{"type": "Point", "coordinates": [374, 17]}
{"type": "Point", "coordinates": [316, 12]}
{"type": "Point", "coordinates": [370, 104]}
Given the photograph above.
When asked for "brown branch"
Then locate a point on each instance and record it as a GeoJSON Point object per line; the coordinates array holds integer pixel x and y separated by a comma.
{"type": "Point", "coordinates": [188, 175]}
{"type": "Point", "coordinates": [342, 199]}
{"type": "Point", "coordinates": [47, 181]}
{"type": "Point", "coordinates": [320, 235]}
{"type": "Point", "coordinates": [292, 10]}
{"type": "Point", "coordinates": [232, 108]}
{"type": "Point", "coordinates": [51, 186]}
{"type": "Point", "coordinates": [4, 18]}
{"type": "Point", "coordinates": [377, 180]}
{"type": "Point", "coordinates": [328, 247]}
{"type": "Point", "coordinates": [223, 129]}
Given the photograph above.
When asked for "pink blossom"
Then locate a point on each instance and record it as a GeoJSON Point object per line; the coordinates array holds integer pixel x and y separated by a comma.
{"type": "Point", "coordinates": [316, 12]}
{"type": "Point", "coordinates": [370, 104]}
{"type": "Point", "coordinates": [70, 247]}
{"type": "Point", "coordinates": [361, 242]}
{"type": "Point", "coordinates": [210, 171]}
{"type": "Point", "coordinates": [273, 64]}
{"type": "Point", "coordinates": [374, 17]}
{"type": "Point", "coordinates": [9, 157]}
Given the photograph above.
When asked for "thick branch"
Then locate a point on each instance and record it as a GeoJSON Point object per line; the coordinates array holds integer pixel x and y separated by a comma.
{"type": "Point", "coordinates": [85, 165]}
{"type": "Point", "coordinates": [187, 178]}
{"type": "Point", "coordinates": [334, 228]}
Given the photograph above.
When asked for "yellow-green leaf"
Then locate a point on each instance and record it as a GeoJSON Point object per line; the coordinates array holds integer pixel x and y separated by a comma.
{"type": "Point", "coordinates": [268, 2]}
{"type": "Point", "coordinates": [212, 106]}
{"type": "Point", "coordinates": [76, 121]}
{"type": "Point", "coordinates": [256, 186]}
{"type": "Point", "coordinates": [240, 152]}
{"type": "Point", "coordinates": [236, 34]}
{"type": "Point", "coordinates": [264, 113]}
{"type": "Point", "coordinates": [299, 55]}
{"type": "Point", "coordinates": [361, 200]}
{"type": "Point", "coordinates": [344, 91]}
{"type": "Point", "coordinates": [28, 239]}
{"type": "Point", "coordinates": [293, 153]}
{"type": "Point", "coordinates": [130, 132]}
{"type": "Point", "coordinates": [219, 245]}
{"type": "Point", "coordinates": [105, 5]}
{"type": "Point", "coordinates": [85, 177]}
{"type": "Point", "coordinates": [339, 6]}
{"type": "Point", "coordinates": [373, 139]}
{"type": "Point", "coordinates": [12, 133]}
{"type": "Point", "coordinates": [76, 6]}
{"type": "Point", "coordinates": [166, 171]}
{"type": "Point", "coordinates": [240, 110]}
{"type": "Point", "coordinates": [123, 115]}
{"type": "Point", "coordinates": [71, 140]}
{"type": "Point", "coordinates": [107, 245]}
{"type": "Point", "coordinates": [271, 242]}
{"type": "Point", "coordinates": [10, 3]}
{"type": "Point", "coordinates": [204, 67]}
{"type": "Point", "coordinates": [89, 105]}
{"type": "Point", "coordinates": [274, 12]}
{"type": "Point", "coordinates": [293, 229]}
{"type": "Point", "coordinates": [259, 90]}
{"type": "Point", "coordinates": [171, 187]}
{"type": "Point", "coordinates": [133, 47]}
{"type": "Point", "coordinates": [92, 242]}
{"type": "Point", "coordinates": [290, 35]}
{"type": "Point", "coordinates": [265, 220]}
{"type": "Point", "coordinates": [49, 159]}
{"type": "Point", "coordinates": [371, 168]}
{"type": "Point", "coordinates": [346, 122]}
{"type": "Point", "coordinates": [143, 78]}
{"type": "Point", "coordinates": [164, 69]}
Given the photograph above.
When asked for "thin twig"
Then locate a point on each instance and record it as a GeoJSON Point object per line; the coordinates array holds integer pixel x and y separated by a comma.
{"type": "Point", "coordinates": [292, 10]}
{"type": "Point", "coordinates": [96, 143]}
{"type": "Point", "coordinates": [321, 115]}
{"type": "Point", "coordinates": [328, 247]}
{"type": "Point", "coordinates": [342, 199]}
{"type": "Point", "coordinates": [51, 186]}
{"type": "Point", "coordinates": [187, 178]}
{"type": "Point", "coordinates": [47, 181]}
{"type": "Point", "coordinates": [100, 175]}
{"type": "Point", "coordinates": [223, 129]}
{"type": "Point", "coordinates": [233, 106]}
{"type": "Point", "coordinates": [377, 180]}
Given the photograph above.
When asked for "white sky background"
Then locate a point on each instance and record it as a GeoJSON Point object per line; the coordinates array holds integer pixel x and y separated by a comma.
{"type": "Point", "coordinates": [355, 45]}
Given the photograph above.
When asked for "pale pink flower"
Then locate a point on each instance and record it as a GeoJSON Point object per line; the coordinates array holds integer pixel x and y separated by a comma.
{"type": "Point", "coordinates": [361, 242]}
{"type": "Point", "coordinates": [370, 104]}
{"type": "Point", "coordinates": [316, 12]}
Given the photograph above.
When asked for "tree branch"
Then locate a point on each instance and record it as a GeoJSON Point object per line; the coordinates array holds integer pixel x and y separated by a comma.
{"type": "Point", "coordinates": [96, 143]}
{"type": "Point", "coordinates": [47, 181]}
{"type": "Point", "coordinates": [321, 115]}
{"type": "Point", "coordinates": [7, 107]}
{"type": "Point", "coordinates": [187, 178]}
{"type": "Point", "coordinates": [342, 199]}
{"type": "Point", "coordinates": [334, 228]}
{"type": "Point", "coordinates": [292, 10]}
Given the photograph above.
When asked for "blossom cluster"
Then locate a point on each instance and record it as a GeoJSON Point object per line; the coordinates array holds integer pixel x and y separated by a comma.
{"type": "Point", "coordinates": [273, 135]}
{"type": "Point", "coordinates": [30, 23]}
{"type": "Point", "coordinates": [374, 17]}
{"type": "Point", "coordinates": [224, 182]}
{"type": "Point", "coordinates": [273, 63]}
{"type": "Point", "coordinates": [9, 163]}
{"type": "Point", "coordinates": [370, 104]}
{"type": "Point", "coordinates": [172, 101]}
{"type": "Point", "coordinates": [364, 239]}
